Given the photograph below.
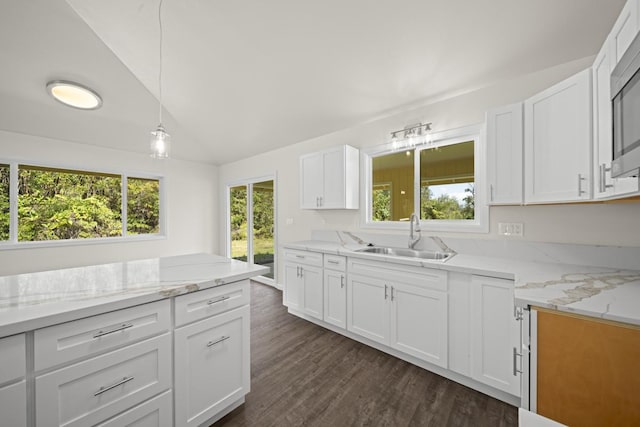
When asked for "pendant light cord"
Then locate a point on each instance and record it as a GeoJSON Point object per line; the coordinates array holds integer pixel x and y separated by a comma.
{"type": "Point", "coordinates": [160, 67]}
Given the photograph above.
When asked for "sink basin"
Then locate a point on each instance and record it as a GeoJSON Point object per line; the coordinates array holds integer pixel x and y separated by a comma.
{"type": "Point", "coordinates": [407, 253]}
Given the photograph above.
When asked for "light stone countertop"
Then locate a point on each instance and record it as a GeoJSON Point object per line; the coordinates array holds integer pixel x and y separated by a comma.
{"type": "Point", "coordinates": [34, 300]}
{"type": "Point", "coordinates": [601, 292]}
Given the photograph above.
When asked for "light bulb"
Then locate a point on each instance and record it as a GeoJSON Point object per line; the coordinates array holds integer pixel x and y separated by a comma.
{"type": "Point", "coordinates": [160, 143]}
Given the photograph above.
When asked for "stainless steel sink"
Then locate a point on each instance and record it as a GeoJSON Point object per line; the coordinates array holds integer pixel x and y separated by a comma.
{"type": "Point", "coordinates": [408, 253]}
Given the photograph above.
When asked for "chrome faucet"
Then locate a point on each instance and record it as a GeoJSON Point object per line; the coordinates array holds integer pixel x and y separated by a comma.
{"type": "Point", "coordinates": [412, 239]}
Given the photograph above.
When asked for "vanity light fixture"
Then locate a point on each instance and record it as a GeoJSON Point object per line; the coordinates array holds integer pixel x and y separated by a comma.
{"type": "Point", "coordinates": [411, 135]}
{"type": "Point", "coordinates": [160, 139]}
{"type": "Point", "coordinates": [74, 95]}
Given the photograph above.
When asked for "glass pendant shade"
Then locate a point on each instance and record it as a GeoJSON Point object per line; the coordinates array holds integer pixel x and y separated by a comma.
{"type": "Point", "coordinates": [160, 143]}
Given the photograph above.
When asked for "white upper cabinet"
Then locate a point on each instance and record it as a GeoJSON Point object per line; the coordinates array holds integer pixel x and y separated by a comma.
{"type": "Point", "coordinates": [624, 31]}
{"type": "Point", "coordinates": [504, 154]}
{"type": "Point", "coordinates": [557, 141]}
{"type": "Point", "coordinates": [330, 179]}
{"type": "Point", "coordinates": [603, 185]}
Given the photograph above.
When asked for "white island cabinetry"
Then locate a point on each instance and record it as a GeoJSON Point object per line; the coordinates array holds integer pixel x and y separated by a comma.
{"type": "Point", "coordinates": [13, 391]}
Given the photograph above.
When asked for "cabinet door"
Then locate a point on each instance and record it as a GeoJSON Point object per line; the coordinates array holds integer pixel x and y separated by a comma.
{"type": "Point", "coordinates": [311, 180]}
{"type": "Point", "coordinates": [624, 31]}
{"type": "Point", "coordinates": [495, 334]}
{"type": "Point", "coordinates": [604, 186]}
{"type": "Point", "coordinates": [367, 308]}
{"type": "Point", "coordinates": [312, 296]}
{"type": "Point", "coordinates": [558, 142]}
{"type": "Point", "coordinates": [211, 366]}
{"type": "Point", "coordinates": [333, 196]}
{"type": "Point", "coordinates": [419, 322]}
{"type": "Point", "coordinates": [292, 286]}
{"type": "Point", "coordinates": [504, 154]}
{"type": "Point", "coordinates": [13, 405]}
{"type": "Point", "coordinates": [335, 298]}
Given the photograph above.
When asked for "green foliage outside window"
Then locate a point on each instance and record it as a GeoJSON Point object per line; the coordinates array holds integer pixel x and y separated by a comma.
{"type": "Point", "coordinates": [59, 204]}
{"type": "Point", "coordinates": [381, 204]}
{"type": "Point", "coordinates": [4, 202]}
{"type": "Point", "coordinates": [446, 206]}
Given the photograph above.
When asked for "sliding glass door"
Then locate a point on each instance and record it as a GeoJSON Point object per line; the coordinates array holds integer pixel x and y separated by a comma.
{"type": "Point", "coordinates": [252, 223]}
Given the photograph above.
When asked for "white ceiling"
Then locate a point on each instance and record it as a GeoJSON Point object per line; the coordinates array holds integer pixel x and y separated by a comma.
{"type": "Point", "coordinates": [241, 77]}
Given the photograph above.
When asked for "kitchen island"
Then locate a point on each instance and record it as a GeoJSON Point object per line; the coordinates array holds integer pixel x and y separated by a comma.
{"type": "Point", "coordinates": [165, 340]}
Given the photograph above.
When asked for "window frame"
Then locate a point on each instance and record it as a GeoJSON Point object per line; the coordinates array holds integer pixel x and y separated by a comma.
{"type": "Point", "coordinates": [480, 224]}
{"type": "Point", "coordinates": [13, 242]}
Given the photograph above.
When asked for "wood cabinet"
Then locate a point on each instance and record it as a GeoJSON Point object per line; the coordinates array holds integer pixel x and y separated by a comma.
{"type": "Point", "coordinates": [495, 334]}
{"type": "Point", "coordinates": [13, 390]}
{"type": "Point", "coordinates": [404, 308]}
{"type": "Point", "coordinates": [335, 290]}
{"type": "Point", "coordinates": [557, 142]}
{"type": "Point", "coordinates": [604, 186]}
{"type": "Point", "coordinates": [304, 282]}
{"type": "Point", "coordinates": [211, 366]}
{"type": "Point", "coordinates": [330, 179]}
{"type": "Point", "coordinates": [505, 134]}
{"type": "Point", "coordinates": [586, 370]}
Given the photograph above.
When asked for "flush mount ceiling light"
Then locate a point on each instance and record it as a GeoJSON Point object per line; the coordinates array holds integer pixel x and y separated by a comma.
{"type": "Point", "coordinates": [411, 135]}
{"type": "Point", "coordinates": [74, 95]}
{"type": "Point", "coordinates": [160, 139]}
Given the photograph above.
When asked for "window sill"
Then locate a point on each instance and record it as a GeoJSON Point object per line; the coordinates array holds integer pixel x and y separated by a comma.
{"type": "Point", "coordinates": [80, 242]}
{"type": "Point", "coordinates": [437, 226]}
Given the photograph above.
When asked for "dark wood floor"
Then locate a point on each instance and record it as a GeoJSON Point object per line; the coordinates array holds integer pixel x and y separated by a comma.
{"type": "Point", "coordinates": [305, 375]}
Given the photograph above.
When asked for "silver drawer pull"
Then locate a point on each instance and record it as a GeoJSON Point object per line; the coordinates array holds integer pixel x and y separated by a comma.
{"type": "Point", "coordinates": [300, 256]}
{"type": "Point", "coordinates": [333, 261]}
{"type": "Point", "coordinates": [114, 330]}
{"type": "Point", "coordinates": [107, 388]}
{"type": "Point", "coordinates": [516, 371]}
{"type": "Point", "coordinates": [218, 341]}
{"type": "Point", "coordinates": [214, 301]}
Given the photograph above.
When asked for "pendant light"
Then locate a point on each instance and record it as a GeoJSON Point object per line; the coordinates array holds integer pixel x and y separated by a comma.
{"type": "Point", "coordinates": [160, 139]}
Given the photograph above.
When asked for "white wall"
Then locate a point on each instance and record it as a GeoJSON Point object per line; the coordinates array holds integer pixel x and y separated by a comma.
{"type": "Point", "coordinates": [588, 224]}
{"type": "Point", "coordinates": [191, 204]}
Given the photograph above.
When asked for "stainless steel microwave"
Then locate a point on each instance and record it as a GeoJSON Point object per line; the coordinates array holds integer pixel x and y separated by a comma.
{"type": "Point", "coordinates": [625, 94]}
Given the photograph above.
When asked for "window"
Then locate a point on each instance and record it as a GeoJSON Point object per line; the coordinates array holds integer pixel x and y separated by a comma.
{"type": "Point", "coordinates": [437, 180]}
{"type": "Point", "coordinates": [251, 224]}
{"type": "Point", "coordinates": [64, 204]}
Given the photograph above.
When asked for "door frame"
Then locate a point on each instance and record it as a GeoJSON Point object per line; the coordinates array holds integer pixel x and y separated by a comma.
{"type": "Point", "coordinates": [227, 247]}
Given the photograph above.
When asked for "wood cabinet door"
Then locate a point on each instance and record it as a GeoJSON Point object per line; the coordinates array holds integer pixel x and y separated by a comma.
{"type": "Point", "coordinates": [211, 366]}
{"type": "Point", "coordinates": [504, 154]}
{"type": "Point", "coordinates": [312, 293]}
{"type": "Point", "coordinates": [586, 370]}
{"type": "Point", "coordinates": [292, 286]}
{"type": "Point", "coordinates": [558, 142]}
{"type": "Point", "coordinates": [368, 308]}
{"type": "Point", "coordinates": [311, 180]}
{"type": "Point", "coordinates": [495, 334]}
{"type": "Point", "coordinates": [419, 322]}
{"type": "Point", "coordinates": [335, 298]}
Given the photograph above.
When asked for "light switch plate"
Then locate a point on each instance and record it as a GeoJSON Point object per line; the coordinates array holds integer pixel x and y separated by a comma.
{"type": "Point", "coordinates": [511, 229]}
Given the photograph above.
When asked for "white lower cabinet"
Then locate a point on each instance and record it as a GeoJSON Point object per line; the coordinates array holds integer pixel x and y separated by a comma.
{"type": "Point", "coordinates": [400, 310]}
{"type": "Point", "coordinates": [156, 412]}
{"type": "Point", "coordinates": [13, 405]}
{"type": "Point", "coordinates": [91, 391]}
{"type": "Point", "coordinates": [495, 334]}
{"type": "Point", "coordinates": [303, 288]}
{"type": "Point", "coordinates": [211, 366]}
{"type": "Point", "coordinates": [335, 292]}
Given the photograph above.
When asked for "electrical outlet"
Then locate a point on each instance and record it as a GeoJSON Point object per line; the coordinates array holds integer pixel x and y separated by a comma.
{"type": "Point", "coordinates": [289, 221]}
{"type": "Point", "coordinates": [511, 229]}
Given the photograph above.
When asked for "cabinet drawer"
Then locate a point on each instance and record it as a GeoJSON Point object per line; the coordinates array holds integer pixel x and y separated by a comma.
{"type": "Point", "coordinates": [335, 262]}
{"type": "Point", "coordinates": [156, 412]}
{"type": "Point", "coordinates": [12, 355]}
{"type": "Point", "coordinates": [202, 304]}
{"type": "Point", "coordinates": [85, 337]}
{"type": "Point", "coordinates": [94, 390]}
{"type": "Point", "coordinates": [13, 405]}
{"type": "Point", "coordinates": [424, 277]}
{"type": "Point", "coordinates": [303, 257]}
